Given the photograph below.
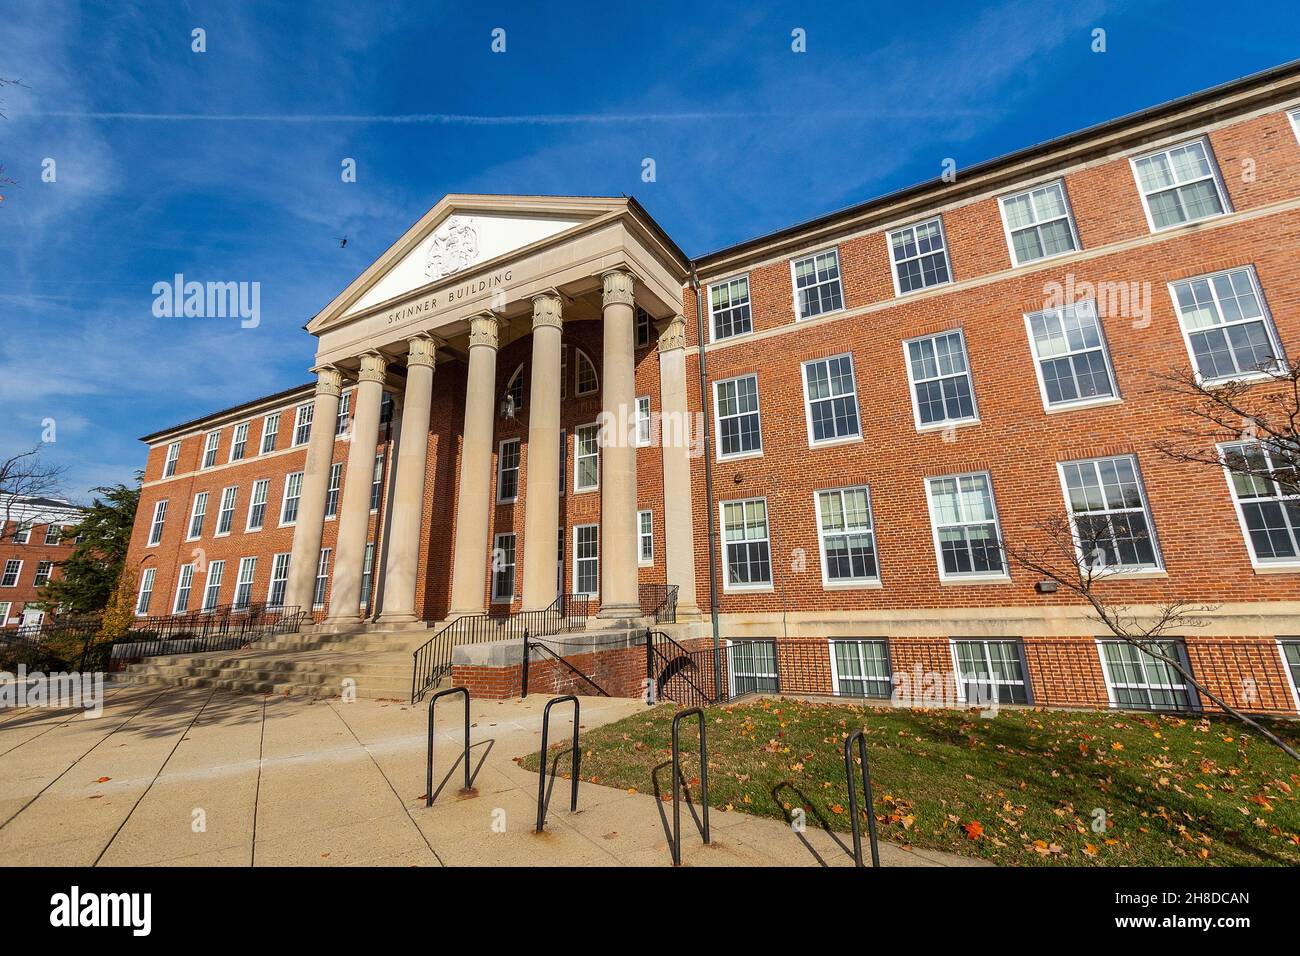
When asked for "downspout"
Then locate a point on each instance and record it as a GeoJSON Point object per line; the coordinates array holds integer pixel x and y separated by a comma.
{"type": "Point", "coordinates": [708, 489]}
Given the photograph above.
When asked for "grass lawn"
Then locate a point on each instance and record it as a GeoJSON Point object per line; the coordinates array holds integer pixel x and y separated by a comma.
{"type": "Point", "coordinates": [1021, 788]}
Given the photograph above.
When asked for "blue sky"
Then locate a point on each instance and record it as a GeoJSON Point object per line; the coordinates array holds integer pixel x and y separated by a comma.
{"type": "Point", "coordinates": [162, 168]}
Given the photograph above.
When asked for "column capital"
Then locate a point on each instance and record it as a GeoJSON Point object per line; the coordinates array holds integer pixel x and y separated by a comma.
{"type": "Point", "coordinates": [422, 350]}
{"type": "Point", "coordinates": [672, 333]}
{"type": "Point", "coordinates": [618, 286]}
{"type": "Point", "coordinates": [329, 380]}
{"type": "Point", "coordinates": [373, 367]}
{"type": "Point", "coordinates": [548, 311]}
{"type": "Point", "coordinates": [483, 330]}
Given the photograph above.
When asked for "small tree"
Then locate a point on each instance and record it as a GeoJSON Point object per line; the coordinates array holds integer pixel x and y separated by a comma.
{"type": "Point", "coordinates": [119, 614]}
{"type": "Point", "coordinates": [1081, 557]}
{"type": "Point", "coordinates": [88, 576]}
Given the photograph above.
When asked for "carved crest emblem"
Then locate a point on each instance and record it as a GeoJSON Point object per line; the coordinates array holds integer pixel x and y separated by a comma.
{"type": "Point", "coordinates": [454, 246]}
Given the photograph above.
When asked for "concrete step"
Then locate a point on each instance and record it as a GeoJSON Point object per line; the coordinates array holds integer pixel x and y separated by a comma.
{"type": "Point", "coordinates": [250, 683]}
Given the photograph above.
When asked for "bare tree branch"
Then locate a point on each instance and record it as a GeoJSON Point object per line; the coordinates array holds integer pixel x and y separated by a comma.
{"type": "Point", "coordinates": [25, 476]}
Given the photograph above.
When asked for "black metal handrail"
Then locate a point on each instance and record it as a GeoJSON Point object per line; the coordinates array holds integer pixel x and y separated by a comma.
{"type": "Point", "coordinates": [662, 668]}
{"type": "Point", "coordinates": [659, 601]}
{"type": "Point", "coordinates": [222, 628]}
{"type": "Point", "coordinates": [861, 737]}
{"type": "Point", "coordinates": [577, 758]}
{"type": "Point", "coordinates": [531, 646]}
{"type": "Point", "coordinates": [428, 773]}
{"type": "Point", "coordinates": [677, 780]}
{"type": "Point", "coordinates": [431, 661]}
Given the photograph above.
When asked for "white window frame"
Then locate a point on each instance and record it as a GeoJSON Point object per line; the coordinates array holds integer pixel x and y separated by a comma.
{"type": "Point", "coordinates": [333, 490]}
{"type": "Point", "coordinates": [841, 584]}
{"type": "Point", "coordinates": [23, 532]}
{"type": "Point", "coordinates": [212, 581]}
{"type": "Point", "coordinates": [645, 537]}
{"type": "Point", "coordinates": [145, 594]}
{"type": "Point", "coordinates": [518, 376]}
{"type": "Point", "coordinates": [238, 440]}
{"type": "Point", "coordinates": [1180, 651]}
{"type": "Point", "coordinates": [43, 569]}
{"type": "Point", "coordinates": [185, 586]}
{"type": "Point", "coordinates": [157, 523]}
{"type": "Point", "coordinates": [173, 456]}
{"type": "Point", "coordinates": [984, 643]}
{"type": "Point", "coordinates": [794, 284]}
{"type": "Point", "coordinates": [893, 263]}
{"type": "Point", "coordinates": [1292, 679]}
{"type": "Point", "coordinates": [286, 498]}
{"type": "Point", "coordinates": [979, 577]}
{"type": "Point", "coordinates": [759, 587]}
{"type": "Point", "coordinates": [1112, 570]}
{"type": "Point", "coordinates": [1266, 316]}
{"type": "Point", "coordinates": [717, 419]}
{"type": "Point", "coordinates": [302, 419]}
{"type": "Point", "coordinates": [974, 417]}
{"type": "Point", "coordinates": [17, 572]}
{"type": "Point", "coordinates": [244, 581]}
{"type": "Point", "coordinates": [502, 469]}
{"type": "Point", "coordinates": [201, 514]}
{"type": "Point", "coordinates": [813, 442]}
{"type": "Point", "coordinates": [857, 642]}
{"type": "Point", "coordinates": [579, 357]}
{"type": "Point", "coordinates": [224, 513]}
{"type": "Point", "coordinates": [1215, 176]}
{"type": "Point", "coordinates": [749, 303]}
{"type": "Point", "coordinates": [578, 458]}
{"type": "Point", "coordinates": [279, 576]}
{"type": "Point", "coordinates": [343, 417]}
{"type": "Point", "coordinates": [211, 446]}
{"type": "Point", "coordinates": [265, 485]}
{"type": "Point", "coordinates": [1036, 224]}
{"type": "Point", "coordinates": [268, 432]}
{"type": "Point", "coordinates": [377, 483]}
{"type": "Point", "coordinates": [1294, 116]}
{"type": "Point", "coordinates": [1291, 563]}
{"type": "Point", "coordinates": [53, 534]}
{"type": "Point", "coordinates": [513, 565]}
{"type": "Point", "coordinates": [756, 675]}
{"type": "Point", "coordinates": [4, 612]}
{"type": "Point", "coordinates": [577, 561]}
{"type": "Point", "coordinates": [643, 418]}
{"type": "Point", "coordinates": [320, 583]}
{"type": "Point", "coordinates": [1048, 406]}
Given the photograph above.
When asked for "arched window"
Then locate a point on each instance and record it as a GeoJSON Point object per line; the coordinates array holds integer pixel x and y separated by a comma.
{"type": "Point", "coordinates": [588, 383]}
{"type": "Point", "coordinates": [515, 390]}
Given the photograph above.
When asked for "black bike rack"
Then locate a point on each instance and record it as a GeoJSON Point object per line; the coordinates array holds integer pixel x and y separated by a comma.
{"type": "Point", "coordinates": [428, 794]}
{"type": "Point", "coordinates": [577, 754]}
{"type": "Point", "coordinates": [861, 738]}
{"type": "Point", "coordinates": [677, 780]}
{"type": "Point", "coordinates": [523, 679]}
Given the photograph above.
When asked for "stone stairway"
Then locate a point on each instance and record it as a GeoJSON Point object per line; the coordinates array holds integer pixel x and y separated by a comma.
{"type": "Point", "coordinates": [373, 663]}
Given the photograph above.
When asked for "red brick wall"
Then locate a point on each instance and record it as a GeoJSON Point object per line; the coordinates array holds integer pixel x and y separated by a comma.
{"type": "Point", "coordinates": [31, 555]}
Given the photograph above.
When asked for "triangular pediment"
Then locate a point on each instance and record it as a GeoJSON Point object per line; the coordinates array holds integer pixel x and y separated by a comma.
{"type": "Point", "coordinates": [458, 234]}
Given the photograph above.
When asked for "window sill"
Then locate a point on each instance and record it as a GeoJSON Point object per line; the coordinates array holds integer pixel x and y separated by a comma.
{"type": "Point", "coordinates": [944, 426]}
{"type": "Point", "coordinates": [1288, 568]}
{"type": "Point", "coordinates": [759, 589]}
{"type": "Point", "coordinates": [1078, 406]}
{"type": "Point", "coordinates": [852, 585]}
{"type": "Point", "coordinates": [834, 442]}
{"type": "Point", "coordinates": [735, 336]}
{"type": "Point", "coordinates": [1041, 259]}
{"type": "Point", "coordinates": [976, 579]}
{"type": "Point", "coordinates": [585, 491]}
{"type": "Point", "coordinates": [1134, 574]}
{"type": "Point", "coordinates": [739, 456]}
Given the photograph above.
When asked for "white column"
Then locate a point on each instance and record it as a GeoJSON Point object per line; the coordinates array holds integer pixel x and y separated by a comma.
{"type": "Point", "coordinates": [676, 432]}
{"type": "Point", "coordinates": [542, 495]}
{"type": "Point", "coordinates": [354, 506]}
{"type": "Point", "coordinates": [408, 495]}
{"type": "Point", "coordinates": [470, 557]}
{"type": "Point", "coordinates": [619, 596]}
{"type": "Point", "coordinates": [305, 554]}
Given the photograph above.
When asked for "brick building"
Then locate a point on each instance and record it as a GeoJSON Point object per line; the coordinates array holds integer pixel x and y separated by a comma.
{"type": "Point", "coordinates": [32, 543]}
{"type": "Point", "coordinates": [859, 410]}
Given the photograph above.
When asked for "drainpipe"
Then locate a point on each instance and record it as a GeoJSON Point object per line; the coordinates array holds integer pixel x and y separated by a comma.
{"type": "Point", "coordinates": [708, 489]}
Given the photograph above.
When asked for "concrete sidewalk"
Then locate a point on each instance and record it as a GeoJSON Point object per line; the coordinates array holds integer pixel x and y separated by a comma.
{"type": "Point", "coordinates": [192, 777]}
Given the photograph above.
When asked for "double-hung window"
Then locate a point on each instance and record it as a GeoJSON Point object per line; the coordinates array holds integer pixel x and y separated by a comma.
{"type": "Point", "coordinates": [257, 504]}
{"type": "Point", "coordinates": [990, 672]}
{"type": "Point", "coordinates": [53, 534]}
{"type": "Point", "coordinates": [173, 455]}
{"type": "Point", "coordinates": [941, 382]}
{"type": "Point", "coordinates": [586, 457]}
{"type": "Point", "coordinates": [1070, 356]}
{"type": "Point", "coordinates": [226, 513]}
{"type": "Point", "coordinates": [156, 525]}
{"type": "Point", "coordinates": [146, 592]}
{"type": "Point", "coordinates": [1135, 678]}
{"type": "Point", "coordinates": [13, 569]}
{"type": "Point", "coordinates": [367, 574]}
{"type": "Point", "coordinates": [643, 421]}
{"type": "Point", "coordinates": [735, 404]}
{"type": "Point", "coordinates": [377, 483]}
{"type": "Point", "coordinates": [586, 559]}
{"type": "Point", "coordinates": [302, 424]}
{"type": "Point", "coordinates": [292, 494]}
{"type": "Point", "coordinates": [332, 492]}
{"type": "Point", "coordinates": [831, 400]}
{"type": "Point", "coordinates": [746, 545]}
{"type": "Point", "coordinates": [1109, 513]}
{"type": "Point", "coordinates": [967, 539]}
{"type": "Point", "coordinates": [817, 287]}
{"type": "Point", "coordinates": [751, 667]}
{"type": "Point", "coordinates": [1179, 184]}
{"type": "Point", "coordinates": [645, 537]}
{"type": "Point", "coordinates": [322, 578]}
{"type": "Point", "coordinates": [212, 587]}
{"type": "Point", "coordinates": [184, 583]}
{"type": "Point", "coordinates": [23, 532]}
{"type": "Point", "coordinates": [270, 430]}
{"type": "Point", "coordinates": [729, 308]}
{"type": "Point", "coordinates": [1267, 496]}
{"type": "Point", "coordinates": [197, 514]}
{"type": "Point", "coordinates": [244, 581]}
{"type": "Point", "coordinates": [508, 471]}
{"type": "Point", "coordinates": [848, 539]}
{"type": "Point", "coordinates": [343, 418]}
{"type": "Point", "coordinates": [1229, 330]}
{"type": "Point", "coordinates": [239, 442]}
{"type": "Point", "coordinates": [861, 668]}
{"type": "Point", "coordinates": [279, 580]}
{"type": "Point", "coordinates": [1039, 224]}
{"type": "Point", "coordinates": [920, 256]}
{"type": "Point", "coordinates": [43, 571]}
{"type": "Point", "coordinates": [211, 444]}
{"type": "Point", "coordinates": [503, 568]}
